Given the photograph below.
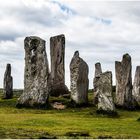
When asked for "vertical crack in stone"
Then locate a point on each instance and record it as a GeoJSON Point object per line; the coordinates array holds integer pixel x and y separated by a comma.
{"type": "Point", "coordinates": [57, 53]}
{"type": "Point", "coordinates": [124, 82]}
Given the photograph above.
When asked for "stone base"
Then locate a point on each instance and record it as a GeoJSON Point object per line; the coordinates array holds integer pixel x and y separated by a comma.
{"type": "Point", "coordinates": [8, 97]}
{"type": "Point", "coordinates": [77, 105]}
{"type": "Point", "coordinates": [33, 100]}
{"type": "Point", "coordinates": [107, 112]}
{"type": "Point", "coordinates": [35, 105]}
{"type": "Point", "coordinates": [58, 90]}
{"type": "Point", "coordinates": [131, 108]}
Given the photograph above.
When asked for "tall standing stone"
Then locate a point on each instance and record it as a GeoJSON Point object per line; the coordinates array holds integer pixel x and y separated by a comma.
{"type": "Point", "coordinates": [98, 71]}
{"type": "Point", "coordinates": [124, 83]}
{"type": "Point", "coordinates": [36, 74]}
{"type": "Point", "coordinates": [136, 86]}
{"type": "Point", "coordinates": [79, 79]}
{"type": "Point", "coordinates": [57, 53]}
{"type": "Point", "coordinates": [8, 83]}
{"type": "Point", "coordinates": [104, 91]}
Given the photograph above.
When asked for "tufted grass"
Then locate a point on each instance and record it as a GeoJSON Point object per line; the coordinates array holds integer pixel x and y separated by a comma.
{"type": "Point", "coordinates": [80, 122]}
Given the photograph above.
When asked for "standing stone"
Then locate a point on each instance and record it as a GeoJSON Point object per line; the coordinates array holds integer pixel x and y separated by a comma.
{"type": "Point", "coordinates": [36, 74]}
{"type": "Point", "coordinates": [79, 79]}
{"type": "Point", "coordinates": [8, 83]}
{"type": "Point", "coordinates": [57, 53]}
{"type": "Point", "coordinates": [124, 82]}
{"type": "Point", "coordinates": [136, 87]}
{"type": "Point", "coordinates": [98, 71]}
{"type": "Point", "coordinates": [104, 91]}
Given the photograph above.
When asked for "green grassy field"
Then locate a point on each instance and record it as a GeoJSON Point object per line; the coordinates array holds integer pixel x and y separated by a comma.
{"type": "Point", "coordinates": [69, 123]}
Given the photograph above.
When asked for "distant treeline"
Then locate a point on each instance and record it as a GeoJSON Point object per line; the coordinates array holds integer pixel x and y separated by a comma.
{"type": "Point", "coordinates": [17, 92]}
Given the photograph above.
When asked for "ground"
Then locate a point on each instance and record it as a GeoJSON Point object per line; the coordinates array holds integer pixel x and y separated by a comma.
{"type": "Point", "coordinates": [76, 122]}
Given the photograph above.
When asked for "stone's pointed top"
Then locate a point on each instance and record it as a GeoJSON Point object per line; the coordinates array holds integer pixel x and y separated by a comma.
{"type": "Point", "coordinates": [98, 63]}
{"type": "Point", "coordinates": [76, 54]}
{"type": "Point", "coordinates": [98, 67]}
{"type": "Point", "coordinates": [8, 65]}
{"type": "Point", "coordinates": [126, 56]}
{"type": "Point", "coordinates": [8, 69]}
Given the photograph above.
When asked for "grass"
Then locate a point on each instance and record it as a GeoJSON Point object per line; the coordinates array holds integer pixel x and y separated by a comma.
{"type": "Point", "coordinates": [80, 122]}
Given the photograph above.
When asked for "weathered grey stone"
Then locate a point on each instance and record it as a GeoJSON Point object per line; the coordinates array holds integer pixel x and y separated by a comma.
{"type": "Point", "coordinates": [124, 83]}
{"type": "Point", "coordinates": [8, 83]}
{"type": "Point", "coordinates": [98, 71]}
{"type": "Point", "coordinates": [136, 87]}
{"type": "Point", "coordinates": [36, 74]}
{"type": "Point", "coordinates": [57, 53]}
{"type": "Point", "coordinates": [79, 79]}
{"type": "Point", "coordinates": [104, 91]}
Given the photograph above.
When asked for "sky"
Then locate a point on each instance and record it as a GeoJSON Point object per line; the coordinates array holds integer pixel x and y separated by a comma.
{"type": "Point", "coordinates": [102, 31]}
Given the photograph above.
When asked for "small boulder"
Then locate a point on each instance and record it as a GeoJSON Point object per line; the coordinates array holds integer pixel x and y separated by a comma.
{"type": "Point", "coordinates": [58, 106]}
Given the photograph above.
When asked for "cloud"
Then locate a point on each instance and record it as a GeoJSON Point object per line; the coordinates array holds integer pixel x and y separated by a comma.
{"type": "Point", "coordinates": [102, 31]}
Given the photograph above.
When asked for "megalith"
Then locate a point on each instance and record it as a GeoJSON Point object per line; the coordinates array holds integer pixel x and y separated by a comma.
{"type": "Point", "coordinates": [98, 71]}
{"type": "Point", "coordinates": [104, 91]}
{"type": "Point", "coordinates": [36, 74]}
{"type": "Point", "coordinates": [79, 79]}
{"type": "Point", "coordinates": [57, 53]}
{"type": "Point", "coordinates": [123, 97]}
{"type": "Point", "coordinates": [8, 83]}
{"type": "Point", "coordinates": [136, 87]}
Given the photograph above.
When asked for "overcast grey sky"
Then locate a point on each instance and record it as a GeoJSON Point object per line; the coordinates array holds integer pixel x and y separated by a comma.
{"type": "Point", "coordinates": [101, 31]}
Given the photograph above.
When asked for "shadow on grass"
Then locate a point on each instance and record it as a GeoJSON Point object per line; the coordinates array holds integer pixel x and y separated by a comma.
{"type": "Point", "coordinates": [110, 114]}
{"type": "Point", "coordinates": [83, 134]}
{"type": "Point", "coordinates": [17, 133]}
{"type": "Point", "coordinates": [2, 133]}
{"type": "Point", "coordinates": [138, 119]}
{"type": "Point", "coordinates": [8, 102]}
{"type": "Point", "coordinates": [104, 137]}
